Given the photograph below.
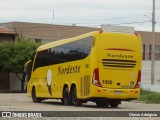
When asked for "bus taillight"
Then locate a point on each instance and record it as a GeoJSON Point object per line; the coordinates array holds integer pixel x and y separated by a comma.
{"type": "Point", "coordinates": [138, 80]}
{"type": "Point", "coordinates": [95, 80]}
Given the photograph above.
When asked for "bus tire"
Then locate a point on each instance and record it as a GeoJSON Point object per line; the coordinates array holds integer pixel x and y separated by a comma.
{"type": "Point", "coordinates": [66, 96]}
{"type": "Point", "coordinates": [114, 104]}
{"type": "Point", "coordinates": [62, 100]}
{"type": "Point", "coordinates": [75, 101]}
{"type": "Point", "coordinates": [102, 104]}
{"type": "Point", "coordinates": [34, 98]}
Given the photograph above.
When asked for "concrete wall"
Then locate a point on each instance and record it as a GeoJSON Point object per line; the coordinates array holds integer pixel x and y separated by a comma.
{"type": "Point", "coordinates": [146, 76]}
{"type": "Point", "coordinates": [15, 83]}
{"type": "Point", "coordinates": [146, 72]}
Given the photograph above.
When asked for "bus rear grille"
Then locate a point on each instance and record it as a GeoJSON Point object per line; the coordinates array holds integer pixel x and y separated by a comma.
{"type": "Point", "coordinates": [119, 63]}
{"type": "Point", "coordinates": [85, 85]}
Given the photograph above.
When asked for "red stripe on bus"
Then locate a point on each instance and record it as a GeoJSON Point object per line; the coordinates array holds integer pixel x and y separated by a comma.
{"type": "Point", "coordinates": [121, 49]}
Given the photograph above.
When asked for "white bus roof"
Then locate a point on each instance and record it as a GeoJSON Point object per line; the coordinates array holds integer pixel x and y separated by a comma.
{"type": "Point", "coordinates": [114, 28]}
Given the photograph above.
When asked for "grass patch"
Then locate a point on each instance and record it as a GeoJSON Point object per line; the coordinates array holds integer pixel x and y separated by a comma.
{"type": "Point", "coordinates": [149, 97]}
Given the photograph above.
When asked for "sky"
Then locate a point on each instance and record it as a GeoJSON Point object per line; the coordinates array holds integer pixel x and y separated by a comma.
{"type": "Point", "coordinates": [91, 13]}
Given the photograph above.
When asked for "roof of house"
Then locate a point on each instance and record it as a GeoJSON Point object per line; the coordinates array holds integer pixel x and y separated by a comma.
{"type": "Point", "coordinates": [6, 31]}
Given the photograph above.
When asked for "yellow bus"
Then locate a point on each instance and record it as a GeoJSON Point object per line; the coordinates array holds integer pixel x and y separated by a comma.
{"type": "Point", "coordinates": [102, 67]}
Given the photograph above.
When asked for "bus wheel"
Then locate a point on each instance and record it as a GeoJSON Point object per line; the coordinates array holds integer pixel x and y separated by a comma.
{"type": "Point", "coordinates": [114, 104]}
{"type": "Point", "coordinates": [62, 100]}
{"type": "Point", "coordinates": [34, 98]}
{"type": "Point", "coordinates": [102, 103]}
{"type": "Point", "coordinates": [66, 96]}
{"type": "Point", "coordinates": [75, 101]}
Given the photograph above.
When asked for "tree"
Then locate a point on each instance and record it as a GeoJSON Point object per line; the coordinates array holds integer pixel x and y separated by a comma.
{"type": "Point", "coordinates": [14, 57]}
{"type": "Point", "coordinates": [5, 54]}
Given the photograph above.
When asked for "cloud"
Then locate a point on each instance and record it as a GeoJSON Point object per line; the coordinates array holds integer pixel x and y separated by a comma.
{"type": "Point", "coordinates": [74, 4]}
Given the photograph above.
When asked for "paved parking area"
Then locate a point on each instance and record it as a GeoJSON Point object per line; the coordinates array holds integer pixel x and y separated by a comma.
{"type": "Point", "coordinates": [21, 102]}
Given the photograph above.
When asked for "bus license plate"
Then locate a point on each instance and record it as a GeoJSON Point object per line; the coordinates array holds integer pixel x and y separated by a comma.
{"type": "Point", "coordinates": [117, 92]}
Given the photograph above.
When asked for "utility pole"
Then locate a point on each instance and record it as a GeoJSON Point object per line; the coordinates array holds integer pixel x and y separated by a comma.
{"type": "Point", "coordinates": [153, 45]}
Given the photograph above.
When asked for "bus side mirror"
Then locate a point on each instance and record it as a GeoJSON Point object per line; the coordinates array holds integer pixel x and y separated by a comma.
{"type": "Point", "coordinates": [26, 65]}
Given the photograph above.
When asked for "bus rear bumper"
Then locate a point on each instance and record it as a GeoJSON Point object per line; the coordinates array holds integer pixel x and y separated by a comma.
{"type": "Point", "coordinates": [124, 94]}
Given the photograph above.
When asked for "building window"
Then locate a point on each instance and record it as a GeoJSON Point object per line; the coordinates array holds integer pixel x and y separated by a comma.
{"type": "Point", "coordinates": [150, 52]}
{"type": "Point", "coordinates": [157, 52]}
{"type": "Point", "coordinates": [144, 52]}
{"type": "Point", "coordinates": [38, 40]}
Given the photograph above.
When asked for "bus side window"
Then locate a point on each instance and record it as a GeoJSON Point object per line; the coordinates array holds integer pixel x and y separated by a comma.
{"type": "Point", "coordinates": [68, 52]}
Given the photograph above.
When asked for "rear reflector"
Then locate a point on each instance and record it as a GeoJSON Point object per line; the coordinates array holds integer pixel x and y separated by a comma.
{"type": "Point", "coordinates": [95, 79]}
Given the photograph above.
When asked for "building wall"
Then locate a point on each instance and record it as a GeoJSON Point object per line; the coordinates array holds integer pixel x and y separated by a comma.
{"type": "Point", "coordinates": [47, 31]}
{"type": "Point", "coordinates": [147, 52]}
{"type": "Point", "coordinates": [7, 37]}
{"type": "Point", "coordinates": [9, 82]}
{"type": "Point", "coordinates": [146, 72]}
{"type": "Point", "coordinates": [147, 37]}
{"type": "Point", "coordinates": [4, 81]}
{"type": "Point", "coordinates": [15, 83]}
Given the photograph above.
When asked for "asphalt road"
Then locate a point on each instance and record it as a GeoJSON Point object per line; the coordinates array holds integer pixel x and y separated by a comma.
{"type": "Point", "coordinates": [21, 102]}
